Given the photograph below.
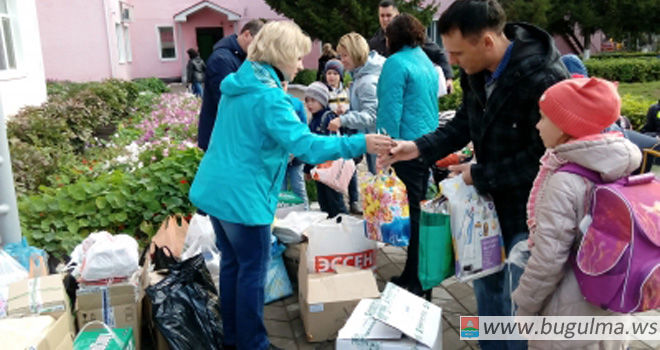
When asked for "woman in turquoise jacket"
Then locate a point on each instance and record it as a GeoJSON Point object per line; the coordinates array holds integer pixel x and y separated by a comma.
{"type": "Point", "coordinates": [408, 109]}
{"type": "Point", "coordinates": [240, 176]}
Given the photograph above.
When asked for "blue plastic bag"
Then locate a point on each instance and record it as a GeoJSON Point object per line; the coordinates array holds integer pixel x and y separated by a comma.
{"type": "Point", "coordinates": [23, 252]}
{"type": "Point", "coordinates": [278, 285]}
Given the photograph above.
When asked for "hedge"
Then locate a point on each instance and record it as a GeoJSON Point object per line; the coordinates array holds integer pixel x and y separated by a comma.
{"type": "Point", "coordinates": [625, 69]}
{"type": "Point", "coordinates": [607, 55]}
{"type": "Point", "coordinates": [42, 139]}
{"type": "Point", "coordinates": [135, 203]}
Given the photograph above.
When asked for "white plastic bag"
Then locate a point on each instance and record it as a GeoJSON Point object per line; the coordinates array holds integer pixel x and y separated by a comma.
{"type": "Point", "coordinates": [475, 229]}
{"type": "Point", "coordinates": [290, 229]}
{"type": "Point", "coordinates": [10, 271]}
{"type": "Point", "coordinates": [106, 256]}
{"type": "Point", "coordinates": [200, 239]}
{"type": "Point", "coordinates": [339, 241]}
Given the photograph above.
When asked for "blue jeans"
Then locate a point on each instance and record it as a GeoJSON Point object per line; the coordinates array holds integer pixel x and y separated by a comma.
{"type": "Point", "coordinates": [196, 88]}
{"type": "Point", "coordinates": [294, 177]}
{"type": "Point", "coordinates": [493, 295]}
{"type": "Point", "coordinates": [245, 252]}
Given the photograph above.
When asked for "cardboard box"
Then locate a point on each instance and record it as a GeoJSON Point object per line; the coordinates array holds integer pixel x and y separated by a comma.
{"type": "Point", "coordinates": [328, 299]}
{"type": "Point", "coordinates": [381, 323]}
{"type": "Point", "coordinates": [100, 339]}
{"type": "Point", "coordinates": [37, 332]}
{"type": "Point", "coordinates": [117, 305]}
{"type": "Point", "coordinates": [38, 296]}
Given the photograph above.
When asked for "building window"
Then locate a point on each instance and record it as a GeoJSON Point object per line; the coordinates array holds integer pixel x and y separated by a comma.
{"type": "Point", "coordinates": [7, 44]}
{"type": "Point", "coordinates": [166, 43]}
{"type": "Point", "coordinates": [127, 44]}
{"type": "Point", "coordinates": [121, 46]}
{"type": "Point", "coordinates": [432, 32]}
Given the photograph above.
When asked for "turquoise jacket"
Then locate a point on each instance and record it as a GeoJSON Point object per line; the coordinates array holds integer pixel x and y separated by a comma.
{"type": "Point", "coordinates": [408, 95]}
{"type": "Point", "coordinates": [240, 176]}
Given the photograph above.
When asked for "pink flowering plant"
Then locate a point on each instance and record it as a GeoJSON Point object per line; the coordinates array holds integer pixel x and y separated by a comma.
{"type": "Point", "coordinates": [171, 125]}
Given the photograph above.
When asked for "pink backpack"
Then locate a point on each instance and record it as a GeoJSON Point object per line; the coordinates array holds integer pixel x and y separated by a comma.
{"type": "Point", "coordinates": [617, 264]}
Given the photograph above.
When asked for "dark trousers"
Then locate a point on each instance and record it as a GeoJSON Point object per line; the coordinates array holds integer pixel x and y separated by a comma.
{"type": "Point", "coordinates": [331, 201]}
{"type": "Point", "coordinates": [415, 176]}
{"type": "Point", "coordinates": [353, 195]}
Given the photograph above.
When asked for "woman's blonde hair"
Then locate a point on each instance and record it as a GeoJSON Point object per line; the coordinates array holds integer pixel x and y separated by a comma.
{"type": "Point", "coordinates": [356, 47]}
{"type": "Point", "coordinates": [327, 50]}
{"type": "Point", "coordinates": [279, 43]}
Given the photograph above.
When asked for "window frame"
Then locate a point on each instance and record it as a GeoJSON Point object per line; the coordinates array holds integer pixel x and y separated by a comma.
{"type": "Point", "coordinates": [10, 72]}
{"type": "Point", "coordinates": [160, 44]}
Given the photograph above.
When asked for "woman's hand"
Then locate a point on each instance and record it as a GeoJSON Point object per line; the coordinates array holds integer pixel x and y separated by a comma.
{"type": "Point", "coordinates": [378, 144]}
{"type": "Point", "coordinates": [402, 150]}
{"type": "Point", "coordinates": [334, 124]}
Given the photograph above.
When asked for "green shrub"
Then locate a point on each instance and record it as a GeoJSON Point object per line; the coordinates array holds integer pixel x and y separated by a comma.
{"type": "Point", "coordinates": [134, 203]}
{"type": "Point", "coordinates": [154, 85]}
{"type": "Point", "coordinates": [43, 139]}
{"type": "Point", "coordinates": [607, 55]}
{"type": "Point", "coordinates": [625, 69]}
{"type": "Point", "coordinates": [453, 100]}
{"type": "Point", "coordinates": [305, 77]}
{"type": "Point", "coordinates": [635, 108]}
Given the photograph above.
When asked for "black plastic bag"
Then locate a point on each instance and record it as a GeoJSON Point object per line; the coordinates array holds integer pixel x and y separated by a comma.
{"type": "Point", "coordinates": [186, 307]}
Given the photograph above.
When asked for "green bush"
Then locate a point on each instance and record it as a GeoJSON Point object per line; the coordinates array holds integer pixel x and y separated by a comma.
{"type": "Point", "coordinates": [625, 69]}
{"type": "Point", "coordinates": [43, 139]}
{"type": "Point", "coordinates": [154, 85]}
{"type": "Point", "coordinates": [305, 77]}
{"type": "Point", "coordinates": [134, 203]}
{"type": "Point", "coordinates": [453, 100]}
{"type": "Point", "coordinates": [635, 108]}
{"type": "Point", "coordinates": [607, 55]}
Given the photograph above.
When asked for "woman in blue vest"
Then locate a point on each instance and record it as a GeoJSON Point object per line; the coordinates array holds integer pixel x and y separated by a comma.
{"type": "Point", "coordinates": [240, 176]}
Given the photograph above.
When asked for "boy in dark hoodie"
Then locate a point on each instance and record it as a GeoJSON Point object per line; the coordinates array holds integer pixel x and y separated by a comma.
{"type": "Point", "coordinates": [316, 101]}
{"type": "Point", "coordinates": [195, 69]}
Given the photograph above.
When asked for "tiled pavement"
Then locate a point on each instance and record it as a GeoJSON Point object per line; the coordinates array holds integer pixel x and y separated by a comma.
{"type": "Point", "coordinates": [286, 331]}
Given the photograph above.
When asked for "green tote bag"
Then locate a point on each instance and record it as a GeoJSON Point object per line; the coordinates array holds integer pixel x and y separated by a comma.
{"type": "Point", "coordinates": [436, 253]}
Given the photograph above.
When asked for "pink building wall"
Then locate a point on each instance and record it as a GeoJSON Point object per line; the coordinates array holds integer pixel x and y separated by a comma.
{"type": "Point", "coordinates": [79, 39]}
{"type": "Point", "coordinates": [74, 39]}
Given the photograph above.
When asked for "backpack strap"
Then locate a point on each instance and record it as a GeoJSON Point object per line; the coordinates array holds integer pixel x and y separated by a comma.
{"type": "Point", "coordinates": [582, 171]}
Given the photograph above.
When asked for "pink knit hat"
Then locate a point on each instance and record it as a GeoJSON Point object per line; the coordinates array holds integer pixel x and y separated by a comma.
{"type": "Point", "coordinates": [582, 106]}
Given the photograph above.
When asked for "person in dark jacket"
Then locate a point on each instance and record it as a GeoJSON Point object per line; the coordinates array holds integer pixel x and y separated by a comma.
{"type": "Point", "coordinates": [327, 53]}
{"type": "Point", "coordinates": [505, 68]}
{"type": "Point", "coordinates": [316, 101]}
{"type": "Point", "coordinates": [228, 54]}
{"type": "Point", "coordinates": [652, 126]}
{"type": "Point", "coordinates": [195, 72]}
{"type": "Point", "coordinates": [387, 10]}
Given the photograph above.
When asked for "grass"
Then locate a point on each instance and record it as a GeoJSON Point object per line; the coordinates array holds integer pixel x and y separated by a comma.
{"type": "Point", "coordinates": [649, 90]}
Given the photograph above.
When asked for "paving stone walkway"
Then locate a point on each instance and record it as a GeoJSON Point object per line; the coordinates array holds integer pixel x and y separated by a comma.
{"type": "Point", "coordinates": [285, 328]}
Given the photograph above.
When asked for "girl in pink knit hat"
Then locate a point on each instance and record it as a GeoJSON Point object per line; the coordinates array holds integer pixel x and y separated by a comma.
{"type": "Point", "coordinates": [574, 114]}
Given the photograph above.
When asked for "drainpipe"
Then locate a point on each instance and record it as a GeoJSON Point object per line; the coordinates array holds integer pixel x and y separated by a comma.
{"type": "Point", "coordinates": [10, 228]}
{"type": "Point", "coordinates": [113, 73]}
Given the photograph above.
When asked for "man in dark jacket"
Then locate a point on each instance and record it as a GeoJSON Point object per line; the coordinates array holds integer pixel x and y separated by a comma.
{"type": "Point", "coordinates": [652, 126]}
{"type": "Point", "coordinates": [195, 72]}
{"type": "Point", "coordinates": [505, 70]}
{"type": "Point", "coordinates": [387, 10]}
{"type": "Point", "coordinates": [228, 54]}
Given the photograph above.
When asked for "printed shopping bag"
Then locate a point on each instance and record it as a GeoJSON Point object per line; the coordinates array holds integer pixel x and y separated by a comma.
{"type": "Point", "coordinates": [476, 232]}
{"type": "Point", "coordinates": [436, 254]}
{"type": "Point", "coordinates": [339, 241]}
{"type": "Point", "coordinates": [386, 212]}
{"type": "Point", "coordinates": [335, 174]}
